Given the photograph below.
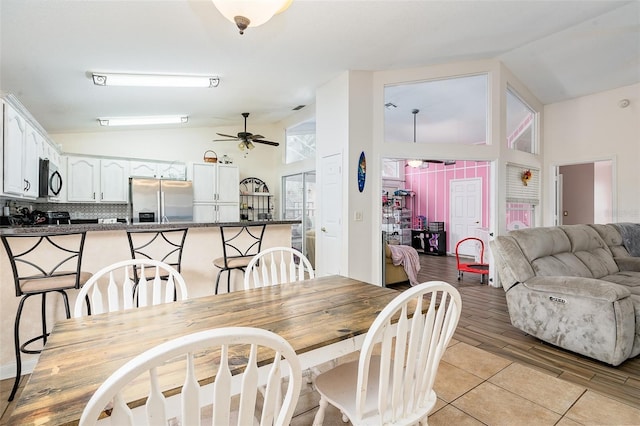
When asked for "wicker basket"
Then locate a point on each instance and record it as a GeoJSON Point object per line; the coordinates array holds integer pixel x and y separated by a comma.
{"type": "Point", "coordinates": [210, 156]}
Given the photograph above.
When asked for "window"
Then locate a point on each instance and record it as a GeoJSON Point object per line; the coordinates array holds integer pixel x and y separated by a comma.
{"type": "Point", "coordinates": [521, 124]}
{"type": "Point", "coordinates": [301, 142]}
{"type": "Point", "coordinates": [299, 203]}
{"type": "Point", "coordinates": [450, 111]}
{"type": "Point", "coordinates": [523, 195]}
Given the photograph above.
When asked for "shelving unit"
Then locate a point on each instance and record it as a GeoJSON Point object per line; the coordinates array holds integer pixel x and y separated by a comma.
{"type": "Point", "coordinates": [397, 217]}
{"type": "Point", "coordinates": [256, 202]}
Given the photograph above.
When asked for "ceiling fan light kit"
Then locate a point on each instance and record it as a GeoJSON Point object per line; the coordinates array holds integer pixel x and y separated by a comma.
{"type": "Point", "coordinates": [246, 138]}
{"type": "Point", "coordinates": [154, 80]}
{"type": "Point", "coordinates": [250, 13]}
{"type": "Point", "coordinates": [137, 121]}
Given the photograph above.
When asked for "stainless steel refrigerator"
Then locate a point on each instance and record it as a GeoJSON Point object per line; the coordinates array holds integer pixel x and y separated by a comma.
{"type": "Point", "coordinates": [160, 200]}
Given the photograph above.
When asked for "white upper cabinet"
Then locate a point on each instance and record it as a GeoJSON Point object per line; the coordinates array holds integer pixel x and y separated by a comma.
{"type": "Point", "coordinates": [114, 181]}
{"type": "Point", "coordinates": [20, 155]}
{"type": "Point", "coordinates": [83, 179]}
{"type": "Point", "coordinates": [158, 170]}
{"type": "Point", "coordinates": [215, 183]}
{"type": "Point", "coordinates": [96, 180]}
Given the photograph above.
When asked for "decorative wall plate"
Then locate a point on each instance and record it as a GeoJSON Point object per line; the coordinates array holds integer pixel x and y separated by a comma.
{"type": "Point", "coordinates": [362, 171]}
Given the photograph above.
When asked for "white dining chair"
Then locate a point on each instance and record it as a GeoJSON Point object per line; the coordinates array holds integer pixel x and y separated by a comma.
{"type": "Point", "coordinates": [415, 329]}
{"type": "Point", "coordinates": [114, 287]}
{"type": "Point", "coordinates": [277, 265]}
{"type": "Point", "coordinates": [240, 351]}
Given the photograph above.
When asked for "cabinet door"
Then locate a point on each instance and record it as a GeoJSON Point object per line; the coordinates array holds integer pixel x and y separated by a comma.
{"type": "Point", "coordinates": [14, 136]}
{"type": "Point", "coordinates": [204, 179]}
{"type": "Point", "coordinates": [83, 176]}
{"type": "Point", "coordinates": [204, 213]}
{"type": "Point", "coordinates": [176, 171]}
{"type": "Point", "coordinates": [228, 181]}
{"type": "Point", "coordinates": [30, 163]}
{"type": "Point", "coordinates": [114, 181]}
{"type": "Point", "coordinates": [228, 213]}
{"type": "Point", "coordinates": [143, 169]}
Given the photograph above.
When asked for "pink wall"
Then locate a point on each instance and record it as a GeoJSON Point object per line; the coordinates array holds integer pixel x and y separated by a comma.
{"type": "Point", "coordinates": [431, 186]}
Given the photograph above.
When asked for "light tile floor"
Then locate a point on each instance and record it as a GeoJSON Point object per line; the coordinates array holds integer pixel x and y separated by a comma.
{"type": "Point", "coordinates": [475, 387]}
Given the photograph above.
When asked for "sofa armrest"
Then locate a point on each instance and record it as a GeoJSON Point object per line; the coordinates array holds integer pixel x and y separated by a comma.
{"type": "Point", "coordinates": [628, 263]}
{"type": "Point", "coordinates": [578, 286]}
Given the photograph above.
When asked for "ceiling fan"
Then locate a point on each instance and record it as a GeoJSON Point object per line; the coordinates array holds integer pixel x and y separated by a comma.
{"type": "Point", "coordinates": [246, 139]}
{"type": "Point", "coordinates": [421, 163]}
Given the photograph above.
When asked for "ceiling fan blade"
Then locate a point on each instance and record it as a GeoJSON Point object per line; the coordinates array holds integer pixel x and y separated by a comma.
{"type": "Point", "coordinates": [266, 142]}
{"type": "Point", "coordinates": [227, 136]}
{"type": "Point", "coordinates": [224, 140]}
{"type": "Point", "coordinates": [253, 137]}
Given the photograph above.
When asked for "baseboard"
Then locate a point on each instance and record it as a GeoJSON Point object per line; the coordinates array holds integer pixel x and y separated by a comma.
{"type": "Point", "coordinates": [8, 371]}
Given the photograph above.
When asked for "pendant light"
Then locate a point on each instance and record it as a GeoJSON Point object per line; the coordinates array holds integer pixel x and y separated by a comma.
{"type": "Point", "coordinates": [414, 163]}
{"type": "Point", "coordinates": [250, 13]}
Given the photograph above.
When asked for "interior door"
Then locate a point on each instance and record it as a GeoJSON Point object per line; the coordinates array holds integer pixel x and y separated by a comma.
{"type": "Point", "coordinates": [465, 212]}
{"type": "Point", "coordinates": [329, 256]}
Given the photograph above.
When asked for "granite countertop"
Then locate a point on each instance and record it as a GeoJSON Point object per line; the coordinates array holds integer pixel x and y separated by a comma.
{"type": "Point", "coordinates": [91, 227]}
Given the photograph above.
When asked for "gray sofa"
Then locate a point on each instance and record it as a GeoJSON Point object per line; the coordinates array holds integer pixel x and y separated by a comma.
{"type": "Point", "coordinates": [574, 286]}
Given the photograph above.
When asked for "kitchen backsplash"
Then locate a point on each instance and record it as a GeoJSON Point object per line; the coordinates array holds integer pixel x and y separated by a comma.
{"type": "Point", "coordinates": [88, 211]}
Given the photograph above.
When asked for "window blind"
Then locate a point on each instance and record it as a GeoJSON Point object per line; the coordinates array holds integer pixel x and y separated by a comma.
{"type": "Point", "coordinates": [517, 191]}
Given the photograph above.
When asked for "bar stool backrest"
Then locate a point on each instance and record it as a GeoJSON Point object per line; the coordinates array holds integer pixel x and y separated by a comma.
{"type": "Point", "coordinates": [241, 242]}
{"type": "Point", "coordinates": [165, 245]}
{"type": "Point", "coordinates": [56, 257]}
{"type": "Point", "coordinates": [111, 289]}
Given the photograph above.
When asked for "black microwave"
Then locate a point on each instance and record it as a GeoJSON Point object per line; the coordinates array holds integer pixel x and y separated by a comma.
{"type": "Point", "coordinates": [50, 179]}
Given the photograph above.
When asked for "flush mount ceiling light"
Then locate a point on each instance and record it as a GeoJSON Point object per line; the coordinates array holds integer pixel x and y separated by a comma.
{"type": "Point", "coordinates": [250, 13]}
{"type": "Point", "coordinates": [138, 121]}
{"type": "Point", "coordinates": [154, 80]}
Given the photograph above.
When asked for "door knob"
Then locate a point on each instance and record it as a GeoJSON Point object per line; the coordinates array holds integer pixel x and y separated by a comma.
{"type": "Point", "coordinates": [323, 229]}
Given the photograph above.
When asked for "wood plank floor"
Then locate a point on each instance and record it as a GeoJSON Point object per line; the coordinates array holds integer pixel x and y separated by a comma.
{"type": "Point", "coordinates": [485, 323]}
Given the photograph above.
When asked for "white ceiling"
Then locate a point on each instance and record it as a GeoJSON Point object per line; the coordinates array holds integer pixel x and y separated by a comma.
{"type": "Point", "coordinates": [558, 49]}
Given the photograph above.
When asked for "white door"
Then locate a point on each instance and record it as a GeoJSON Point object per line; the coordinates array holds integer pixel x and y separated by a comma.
{"type": "Point", "coordinates": [330, 253]}
{"type": "Point", "coordinates": [114, 181]}
{"type": "Point", "coordinates": [465, 213]}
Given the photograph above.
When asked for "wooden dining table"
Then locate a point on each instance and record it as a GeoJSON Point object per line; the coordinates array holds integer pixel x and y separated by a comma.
{"type": "Point", "coordinates": [322, 318]}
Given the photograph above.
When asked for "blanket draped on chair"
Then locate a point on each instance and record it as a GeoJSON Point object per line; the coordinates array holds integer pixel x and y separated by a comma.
{"type": "Point", "coordinates": [409, 258]}
{"type": "Point", "coordinates": [630, 233]}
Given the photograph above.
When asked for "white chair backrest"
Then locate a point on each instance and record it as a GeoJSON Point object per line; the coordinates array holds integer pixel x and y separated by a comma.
{"type": "Point", "coordinates": [418, 340]}
{"type": "Point", "coordinates": [118, 291]}
{"type": "Point", "coordinates": [258, 345]}
{"type": "Point", "coordinates": [277, 265]}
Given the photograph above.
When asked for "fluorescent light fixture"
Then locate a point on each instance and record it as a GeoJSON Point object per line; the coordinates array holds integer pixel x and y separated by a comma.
{"type": "Point", "coordinates": [138, 121]}
{"type": "Point", "coordinates": [154, 80]}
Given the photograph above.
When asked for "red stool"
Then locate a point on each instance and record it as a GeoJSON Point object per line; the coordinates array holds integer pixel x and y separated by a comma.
{"type": "Point", "coordinates": [475, 268]}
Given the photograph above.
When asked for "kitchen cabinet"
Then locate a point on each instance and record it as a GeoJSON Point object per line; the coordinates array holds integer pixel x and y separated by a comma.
{"type": "Point", "coordinates": [215, 192]}
{"type": "Point", "coordinates": [158, 169]}
{"type": "Point", "coordinates": [97, 180]}
{"type": "Point", "coordinates": [21, 141]}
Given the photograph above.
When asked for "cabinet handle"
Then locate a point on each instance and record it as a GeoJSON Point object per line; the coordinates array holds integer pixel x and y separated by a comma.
{"type": "Point", "coordinates": [94, 195]}
{"type": "Point", "coordinates": [102, 195]}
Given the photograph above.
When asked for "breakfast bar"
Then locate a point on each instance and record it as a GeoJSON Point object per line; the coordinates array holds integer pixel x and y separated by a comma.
{"type": "Point", "coordinates": [106, 244]}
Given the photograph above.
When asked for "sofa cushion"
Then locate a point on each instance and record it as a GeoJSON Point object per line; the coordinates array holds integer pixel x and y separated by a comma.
{"type": "Point", "coordinates": [591, 249]}
{"type": "Point", "coordinates": [629, 279]}
{"type": "Point", "coordinates": [612, 238]}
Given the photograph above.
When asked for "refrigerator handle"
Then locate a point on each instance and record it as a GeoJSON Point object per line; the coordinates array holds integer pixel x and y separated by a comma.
{"type": "Point", "coordinates": [159, 205]}
{"type": "Point", "coordinates": [163, 217]}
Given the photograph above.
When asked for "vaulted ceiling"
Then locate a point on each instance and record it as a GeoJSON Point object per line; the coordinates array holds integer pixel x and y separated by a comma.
{"type": "Point", "coordinates": [558, 49]}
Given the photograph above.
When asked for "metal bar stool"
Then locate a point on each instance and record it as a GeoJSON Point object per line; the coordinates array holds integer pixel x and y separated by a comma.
{"type": "Point", "coordinates": [165, 245]}
{"type": "Point", "coordinates": [239, 245]}
{"type": "Point", "coordinates": [42, 264]}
